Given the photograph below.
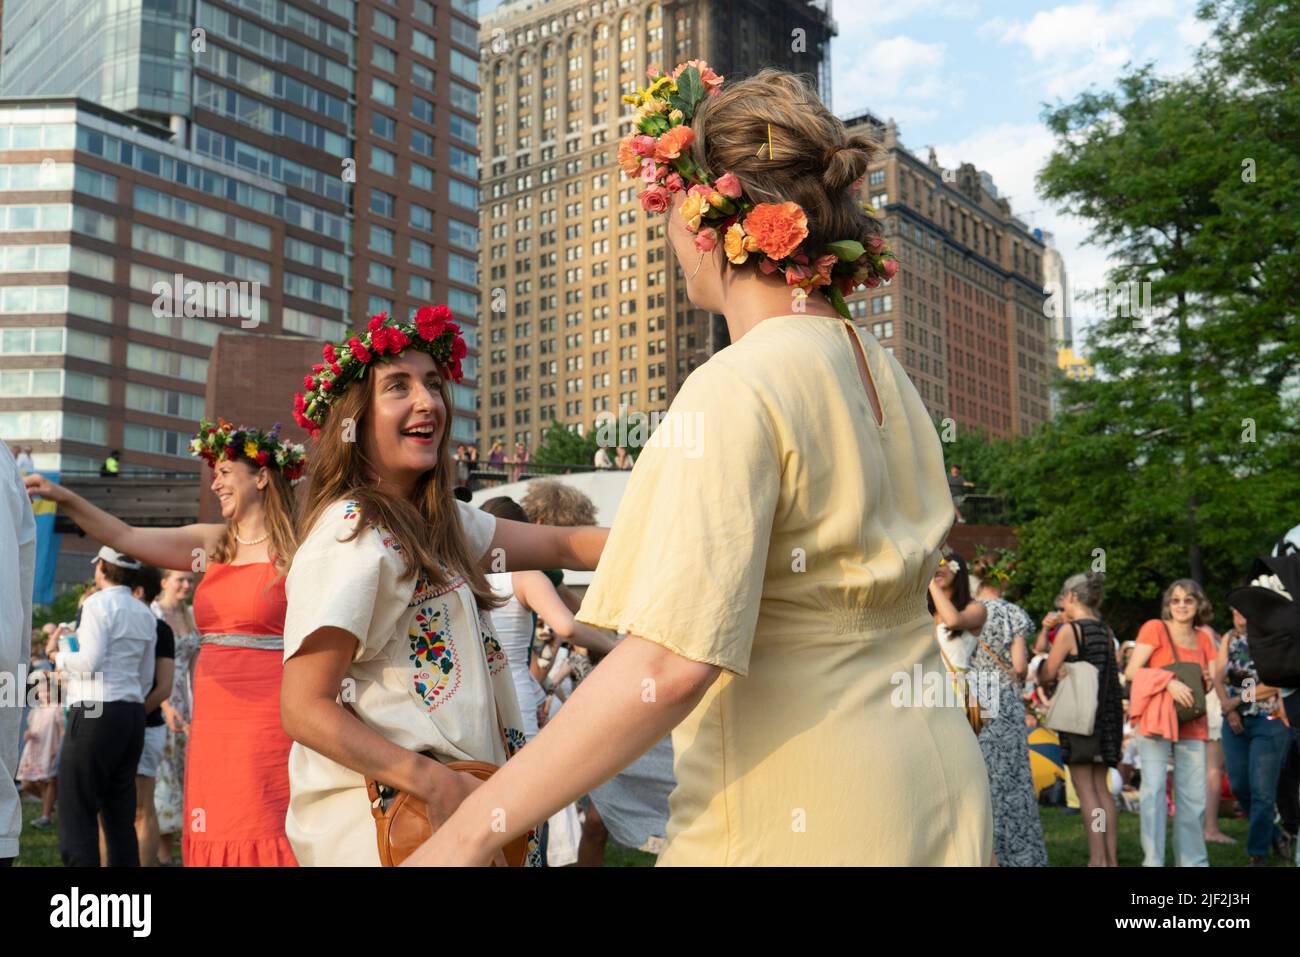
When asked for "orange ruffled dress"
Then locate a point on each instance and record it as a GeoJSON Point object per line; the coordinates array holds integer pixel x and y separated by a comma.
{"type": "Point", "coordinates": [237, 771]}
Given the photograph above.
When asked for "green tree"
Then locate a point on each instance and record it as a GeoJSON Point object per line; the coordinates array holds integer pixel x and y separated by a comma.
{"type": "Point", "coordinates": [559, 446]}
{"type": "Point", "coordinates": [1178, 459]}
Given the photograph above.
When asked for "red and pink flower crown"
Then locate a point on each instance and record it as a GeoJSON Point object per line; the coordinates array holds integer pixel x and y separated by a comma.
{"type": "Point", "coordinates": [658, 153]}
{"type": "Point", "coordinates": [433, 332]}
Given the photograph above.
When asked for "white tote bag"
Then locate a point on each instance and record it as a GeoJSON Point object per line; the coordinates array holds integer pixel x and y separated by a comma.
{"type": "Point", "coordinates": [1074, 706]}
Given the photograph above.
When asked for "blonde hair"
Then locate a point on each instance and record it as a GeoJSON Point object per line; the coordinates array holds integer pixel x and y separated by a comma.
{"type": "Point", "coordinates": [427, 526]}
{"type": "Point", "coordinates": [812, 160]}
{"type": "Point", "coordinates": [1204, 609]}
{"type": "Point", "coordinates": [551, 502]}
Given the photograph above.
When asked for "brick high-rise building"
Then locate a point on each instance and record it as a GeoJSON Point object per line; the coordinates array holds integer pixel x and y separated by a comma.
{"type": "Point", "coordinates": [325, 150]}
{"type": "Point", "coordinates": [584, 307]}
{"type": "Point", "coordinates": [965, 314]}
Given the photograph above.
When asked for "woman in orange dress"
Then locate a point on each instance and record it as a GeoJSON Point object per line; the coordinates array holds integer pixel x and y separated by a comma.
{"type": "Point", "coordinates": [236, 776]}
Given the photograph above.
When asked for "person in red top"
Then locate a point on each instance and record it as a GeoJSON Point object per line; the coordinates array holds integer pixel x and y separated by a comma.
{"type": "Point", "coordinates": [1180, 634]}
{"type": "Point", "coordinates": [236, 776]}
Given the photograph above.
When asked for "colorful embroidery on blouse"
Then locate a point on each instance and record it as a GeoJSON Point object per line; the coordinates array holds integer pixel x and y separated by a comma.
{"type": "Point", "coordinates": [434, 656]}
{"type": "Point", "coordinates": [496, 658]}
{"type": "Point", "coordinates": [424, 590]}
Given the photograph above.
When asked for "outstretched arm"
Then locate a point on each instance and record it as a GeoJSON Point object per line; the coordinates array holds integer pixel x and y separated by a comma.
{"type": "Point", "coordinates": [521, 546]}
{"type": "Point", "coordinates": [538, 594]}
{"type": "Point", "coordinates": [164, 547]}
{"type": "Point", "coordinates": [638, 694]}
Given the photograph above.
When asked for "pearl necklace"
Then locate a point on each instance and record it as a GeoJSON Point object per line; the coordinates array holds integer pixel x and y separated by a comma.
{"type": "Point", "coordinates": [257, 541]}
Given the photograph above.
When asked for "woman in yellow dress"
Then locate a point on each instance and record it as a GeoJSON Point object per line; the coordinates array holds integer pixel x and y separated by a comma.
{"type": "Point", "coordinates": [771, 556]}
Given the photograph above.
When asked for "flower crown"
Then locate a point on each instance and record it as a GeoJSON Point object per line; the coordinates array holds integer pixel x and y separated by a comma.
{"type": "Point", "coordinates": [433, 331]}
{"type": "Point", "coordinates": [657, 153]}
{"type": "Point", "coordinates": [1004, 568]}
{"type": "Point", "coordinates": [212, 443]}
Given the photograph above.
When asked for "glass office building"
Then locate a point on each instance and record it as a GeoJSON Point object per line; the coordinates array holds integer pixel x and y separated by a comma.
{"type": "Point", "coordinates": [324, 150]}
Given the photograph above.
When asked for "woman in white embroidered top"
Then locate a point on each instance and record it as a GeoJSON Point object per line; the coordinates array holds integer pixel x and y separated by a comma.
{"type": "Point", "coordinates": [387, 595]}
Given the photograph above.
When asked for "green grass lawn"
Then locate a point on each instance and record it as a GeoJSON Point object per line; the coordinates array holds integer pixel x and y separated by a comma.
{"type": "Point", "coordinates": [1067, 844]}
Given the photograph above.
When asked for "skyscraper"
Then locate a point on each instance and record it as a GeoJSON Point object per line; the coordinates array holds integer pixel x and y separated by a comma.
{"type": "Point", "coordinates": [324, 150]}
{"type": "Point", "coordinates": [585, 310]}
{"type": "Point", "coordinates": [964, 316]}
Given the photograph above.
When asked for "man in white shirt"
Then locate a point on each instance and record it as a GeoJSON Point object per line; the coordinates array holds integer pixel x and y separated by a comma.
{"type": "Point", "coordinates": [109, 674]}
{"type": "Point", "coordinates": [17, 575]}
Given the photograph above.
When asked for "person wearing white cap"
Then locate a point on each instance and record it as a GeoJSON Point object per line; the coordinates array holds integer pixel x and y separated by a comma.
{"type": "Point", "coordinates": [109, 671]}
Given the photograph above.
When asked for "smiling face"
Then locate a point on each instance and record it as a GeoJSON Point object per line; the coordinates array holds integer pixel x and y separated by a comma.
{"type": "Point", "coordinates": [177, 586]}
{"type": "Point", "coordinates": [238, 485]}
{"type": "Point", "coordinates": [406, 419]}
{"type": "Point", "coordinates": [1182, 606]}
{"type": "Point", "coordinates": [943, 575]}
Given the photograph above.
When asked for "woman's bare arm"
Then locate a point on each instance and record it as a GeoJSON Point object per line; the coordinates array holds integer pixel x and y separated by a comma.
{"type": "Point", "coordinates": [537, 593]}
{"type": "Point", "coordinates": [312, 716]}
{"type": "Point", "coordinates": [175, 548]}
{"type": "Point", "coordinates": [1064, 646]}
{"type": "Point", "coordinates": [970, 618]}
{"type": "Point", "coordinates": [1138, 660]}
{"type": "Point", "coordinates": [521, 546]}
{"type": "Point", "coordinates": [638, 694]}
{"type": "Point", "coordinates": [1019, 657]}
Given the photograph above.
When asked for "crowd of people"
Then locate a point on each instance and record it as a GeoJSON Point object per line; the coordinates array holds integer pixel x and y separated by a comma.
{"type": "Point", "coordinates": [1171, 710]}
{"type": "Point", "coordinates": [364, 684]}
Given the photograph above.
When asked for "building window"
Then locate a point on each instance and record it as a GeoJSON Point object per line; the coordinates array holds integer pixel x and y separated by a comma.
{"type": "Point", "coordinates": [383, 58]}
{"type": "Point", "coordinates": [380, 275]}
{"type": "Point", "coordinates": [424, 44]}
{"type": "Point", "coordinates": [383, 126]}
{"type": "Point", "coordinates": [383, 91]}
{"type": "Point", "coordinates": [381, 240]}
{"type": "Point", "coordinates": [421, 176]}
{"type": "Point", "coordinates": [385, 25]}
{"type": "Point", "coordinates": [382, 161]}
{"type": "Point", "coordinates": [421, 218]}
{"type": "Point", "coordinates": [421, 254]}
{"type": "Point", "coordinates": [422, 143]}
{"type": "Point", "coordinates": [422, 109]}
{"type": "Point", "coordinates": [385, 204]}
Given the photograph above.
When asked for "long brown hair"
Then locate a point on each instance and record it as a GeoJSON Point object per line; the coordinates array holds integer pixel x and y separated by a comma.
{"type": "Point", "coordinates": [426, 526]}
{"type": "Point", "coordinates": [277, 515]}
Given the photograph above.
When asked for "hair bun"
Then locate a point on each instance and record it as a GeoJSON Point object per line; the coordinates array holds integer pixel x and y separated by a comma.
{"type": "Point", "coordinates": [847, 162]}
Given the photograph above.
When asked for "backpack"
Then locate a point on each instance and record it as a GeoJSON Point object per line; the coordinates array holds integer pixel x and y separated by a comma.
{"type": "Point", "coordinates": [1273, 619]}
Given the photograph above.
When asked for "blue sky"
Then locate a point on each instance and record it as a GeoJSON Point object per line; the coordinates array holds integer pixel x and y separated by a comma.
{"type": "Point", "coordinates": [970, 78]}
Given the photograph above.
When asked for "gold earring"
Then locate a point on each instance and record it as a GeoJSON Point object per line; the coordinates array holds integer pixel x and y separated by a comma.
{"type": "Point", "coordinates": [698, 264]}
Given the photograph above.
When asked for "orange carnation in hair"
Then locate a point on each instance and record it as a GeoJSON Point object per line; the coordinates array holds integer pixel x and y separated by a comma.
{"type": "Point", "coordinates": [778, 228]}
{"type": "Point", "coordinates": [628, 159]}
{"type": "Point", "coordinates": [669, 146]}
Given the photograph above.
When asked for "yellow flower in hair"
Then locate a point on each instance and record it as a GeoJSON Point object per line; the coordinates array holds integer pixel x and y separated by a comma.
{"type": "Point", "coordinates": [250, 449]}
{"type": "Point", "coordinates": [737, 245]}
{"type": "Point", "coordinates": [664, 81]}
{"type": "Point", "coordinates": [692, 209]}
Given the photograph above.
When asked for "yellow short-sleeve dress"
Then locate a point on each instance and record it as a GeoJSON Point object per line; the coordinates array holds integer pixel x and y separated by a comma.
{"type": "Point", "coordinates": [773, 528]}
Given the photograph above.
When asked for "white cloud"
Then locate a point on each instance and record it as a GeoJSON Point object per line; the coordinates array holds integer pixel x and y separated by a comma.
{"type": "Point", "coordinates": [1075, 45]}
{"type": "Point", "coordinates": [899, 77]}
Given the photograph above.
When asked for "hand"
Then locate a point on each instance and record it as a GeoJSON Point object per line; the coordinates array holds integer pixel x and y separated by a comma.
{"type": "Point", "coordinates": [52, 646]}
{"type": "Point", "coordinates": [1181, 693]}
{"type": "Point", "coordinates": [1051, 620]}
{"type": "Point", "coordinates": [443, 848]}
{"type": "Point", "coordinates": [1235, 722]}
{"type": "Point", "coordinates": [38, 486]}
{"type": "Point", "coordinates": [173, 718]}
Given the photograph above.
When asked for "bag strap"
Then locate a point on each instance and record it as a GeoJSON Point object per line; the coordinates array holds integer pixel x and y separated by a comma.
{"type": "Point", "coordinates": [1001, 664]}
